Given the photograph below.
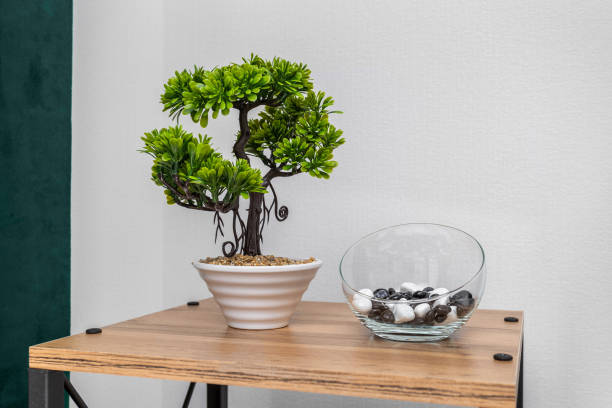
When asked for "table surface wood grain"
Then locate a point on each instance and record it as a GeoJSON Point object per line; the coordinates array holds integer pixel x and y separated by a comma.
{"type": "Point", "coordinates": [324, 350]}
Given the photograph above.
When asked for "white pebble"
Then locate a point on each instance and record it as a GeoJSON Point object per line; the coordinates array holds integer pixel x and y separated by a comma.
{"type": "Point", "coordinates": [442, 300]}
{"type": "Point", "coordinates": [403, 313]}
{"type": "Point", "coordinates": [363, 294]}
{"type": "Point", "coordinates": [421, 309]}
{"type": "Point", "coordinates": [393, 305]}
{"type": "Point", "coordinates": [409, 287]}
{"type": "Point", "coordinates": [362, 304]}
{"type": "Point", "coordinates": [452, 315]}
{"type": "Point", "coordinates": [367, 292]}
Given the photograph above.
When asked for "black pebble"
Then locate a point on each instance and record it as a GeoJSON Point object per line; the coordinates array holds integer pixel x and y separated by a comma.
{"type": "Point", "coordinates": [442, 310]}
{"type": "Point", "coordinates": [395, 296]}
{"type": "Point", "coordinates": [419, 294]}
{"type": "Point", "coordinates": [387, 316]}
{"type": "Point", "coordinates": [464, 305]}
{"type": "Point", "coordinates": [381, 293]}
{"type": "Point", "coordinates": [428, 289]}
{"type": "Point", "coordinates": [463, 310]}
{"type": "Point", "coordinates": [93, 330]}
{"type": "Point", "coordinates": [193, 303]}
{"type": "Point", "coordinates": [511, 319]}
{"type": "Point", "coordinates": [391, 291]}
{"type": "Point", "coordinates": [440, 318]}
{"type": "Point", "coordinates": [502, 357]}
{"type": "Point", "coordinates": [374, 314]}
{"type": "Point", "coordinates": [378, 308]}
{"type": "Point", "coordinates": [406, 295]}
{"type": "Point", "coordinates": [430, 316]}
{"type": "Point", "coordinates": [462, 294]}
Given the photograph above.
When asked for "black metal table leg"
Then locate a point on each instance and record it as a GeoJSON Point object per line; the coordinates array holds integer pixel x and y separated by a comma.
{"type": "Point", "coordinates": [45, 388]}
{"type": "Point", "coordinates": [74, 395]}
{"type": "Point", "coordinates": [189, 394]}
{"type": "Point", "coordinates": [519, 396]}
{"type": "Point", "coordinates": [216, 396]}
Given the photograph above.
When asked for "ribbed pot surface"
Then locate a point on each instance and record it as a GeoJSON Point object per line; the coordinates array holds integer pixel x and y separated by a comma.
{"type": "Point", "coordinates": [258, 297]}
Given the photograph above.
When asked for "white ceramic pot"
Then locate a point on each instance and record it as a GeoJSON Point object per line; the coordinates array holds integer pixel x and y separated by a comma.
{"type": "Point", "coordinates": [258, 297]}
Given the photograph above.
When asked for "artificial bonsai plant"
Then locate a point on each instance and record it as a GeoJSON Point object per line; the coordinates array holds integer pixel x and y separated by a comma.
{"type": "Point", "coordinates": [291, 135]}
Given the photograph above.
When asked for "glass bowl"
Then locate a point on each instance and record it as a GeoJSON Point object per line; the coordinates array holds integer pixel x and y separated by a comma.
{"type": "Point", "coordinates": [414, 282]}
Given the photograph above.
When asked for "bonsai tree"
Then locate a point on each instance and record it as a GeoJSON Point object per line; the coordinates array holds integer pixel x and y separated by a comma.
{"type": "Point", "coordinates": [291, 135]}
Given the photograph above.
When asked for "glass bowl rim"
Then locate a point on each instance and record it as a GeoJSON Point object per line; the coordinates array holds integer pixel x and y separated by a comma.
{"type": "Point", "coordinates": [449, 293]}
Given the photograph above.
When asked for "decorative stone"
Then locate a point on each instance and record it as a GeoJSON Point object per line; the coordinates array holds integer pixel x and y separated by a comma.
{"type": "Point", "coordinates": [429, 317]}
{"type": "Point", "coordinates": [442, 309]}
{"type": "Point", "coordinates": [403, 313]}
{"type": "Point", "coordinates": [375, 314]}
{"type": "Point", "coordinates": [452, 315]}
{"type": "Point", "coordinates": [362, 304]}
{"type": "Point", "coordinates": [464, 305]}
{"type": "Point", "coordinates": [437, 292]}
{"type": "Point", "coordinates": [440, 312]}
{"type": "Point", "coordinates": [406, 295]}
{"type": "Point", "coordinates": [367, 292]}
{"type": "Point", "coordinates": [421, 310]}
{"type": "Point", "coordinates": [377, 310]}
{"type": "Point", "coordinates": [409, 287]}
{"type": "Point", "coordinates": [440, 318]}
{"type": "Point", "coordinates": [387, 316]}
{"type": "Point", "coordinates": [381, 293]}
{"type": "Point", "coordinates": [419, 294]}
{"type": "Point", "coordinates": [441, 301]}
{"type": "Point", "coordinates": [462, 294]}
{"type": "Point", "coordinates": [393, 305]}
{"type": "Point", "coordinates": [437, 306]}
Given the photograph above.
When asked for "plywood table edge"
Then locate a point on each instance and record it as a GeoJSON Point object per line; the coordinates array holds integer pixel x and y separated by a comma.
{"type": "Point", "coordinates": [468, 393]}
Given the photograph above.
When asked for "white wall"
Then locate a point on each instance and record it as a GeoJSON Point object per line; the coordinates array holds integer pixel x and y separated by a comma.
{"type": "Point", "coordinates": [492, 116]}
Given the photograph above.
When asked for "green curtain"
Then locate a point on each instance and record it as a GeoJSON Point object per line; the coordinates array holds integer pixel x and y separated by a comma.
{"type": "Point", "coordinates": [35, 140]}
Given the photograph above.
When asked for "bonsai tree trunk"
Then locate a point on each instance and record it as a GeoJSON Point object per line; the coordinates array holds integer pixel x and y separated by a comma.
{"type": "Point", "coordinates": [253, 239]}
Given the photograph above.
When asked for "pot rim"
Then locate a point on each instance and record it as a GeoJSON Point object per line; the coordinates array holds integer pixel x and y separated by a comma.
{"type": "Point", "coordinates": [257, 268]}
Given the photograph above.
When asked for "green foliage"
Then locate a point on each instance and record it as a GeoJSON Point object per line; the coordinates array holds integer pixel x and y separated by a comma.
{"type": "Point", "coordinates": [172, 98]}
{"type": "Point", "coordinates": [253, 82]}
{"type": "Point", "coordinates": [297, 135]}
{"type": "Point", "coordinates": [194, 174]}
{"type": "Point", "coordinates": [291, 135]}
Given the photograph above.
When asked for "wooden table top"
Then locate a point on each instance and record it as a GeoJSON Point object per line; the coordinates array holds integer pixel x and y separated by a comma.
{"type": "Point", "coordinates": [324, 350]}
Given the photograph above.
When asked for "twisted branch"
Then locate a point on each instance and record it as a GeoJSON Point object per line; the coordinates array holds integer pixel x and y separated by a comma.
{"type": "Point", "coordinates": [238, 237]}
{"type": "Point", "coordinates": [206, 206]}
